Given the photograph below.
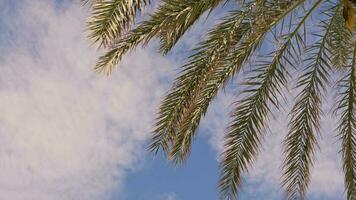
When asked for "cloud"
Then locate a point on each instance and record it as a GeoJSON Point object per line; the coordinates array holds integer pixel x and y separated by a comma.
{"type": "Point", "coordinates": [170, 196]}
{"type": "Point", "coordinates": [67, 133]}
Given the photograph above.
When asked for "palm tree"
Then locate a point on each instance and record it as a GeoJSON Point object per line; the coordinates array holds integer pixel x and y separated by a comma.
{"type": "Point", "coordinates": [230, 46]}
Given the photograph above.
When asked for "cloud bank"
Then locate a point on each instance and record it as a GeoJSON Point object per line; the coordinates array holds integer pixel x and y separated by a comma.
{"type": "Point", "coordinates": [67, 133]}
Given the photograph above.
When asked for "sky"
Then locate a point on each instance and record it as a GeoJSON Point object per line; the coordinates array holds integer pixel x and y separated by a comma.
{"type": "Point", "coordinates": [67, 133]}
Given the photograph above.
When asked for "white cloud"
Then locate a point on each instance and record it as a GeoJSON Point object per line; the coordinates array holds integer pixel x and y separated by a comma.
{"type": "Point", "coordinates": [170, 196]}
{"type": "Point", "coordinates": [67, 133]}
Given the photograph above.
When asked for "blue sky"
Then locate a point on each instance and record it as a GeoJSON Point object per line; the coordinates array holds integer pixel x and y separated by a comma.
{"type": "Point", "coordinates": [68, 133]}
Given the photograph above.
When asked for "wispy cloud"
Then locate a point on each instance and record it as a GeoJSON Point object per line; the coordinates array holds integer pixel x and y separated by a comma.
{"type": "Point", "coordinates": [67, 133]}
{"type": "Point", "coordinates": [170, 196]}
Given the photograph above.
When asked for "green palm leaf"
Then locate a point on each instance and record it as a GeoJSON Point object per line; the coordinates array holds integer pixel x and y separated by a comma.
{"type": "Point", "coordinates": [219, 73]}
{"type": "Point", "coordinates": [340, 38]}
{"type": "Point", "coordinates": [347, 126]}
{"type": "Point", "coordinates": [169, 23]}
{"type": "Point", "coordinates": [232, 44]}
{"type": "Point", "coordinates": [210, 52]}
{"type": "Point", "coordinates": [305, 122]}
{"type": "Point", "coordinates": [110, 19]}
{"type": "Point", "coordinates": [248, 126]}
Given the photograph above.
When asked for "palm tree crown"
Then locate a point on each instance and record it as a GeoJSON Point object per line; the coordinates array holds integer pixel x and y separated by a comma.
{"type": "Point", "coordinates": [228, 48]}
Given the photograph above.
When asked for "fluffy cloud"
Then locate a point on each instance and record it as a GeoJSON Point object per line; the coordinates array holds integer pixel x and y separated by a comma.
{"type": "Point", "coordinates": [67, 133]}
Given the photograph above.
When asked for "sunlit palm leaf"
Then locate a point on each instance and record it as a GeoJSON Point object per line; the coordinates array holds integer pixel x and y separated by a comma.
{"type": "Point", "coordinates": [169, 23]}
{"type": "Point", "coordinates": [110, 18]}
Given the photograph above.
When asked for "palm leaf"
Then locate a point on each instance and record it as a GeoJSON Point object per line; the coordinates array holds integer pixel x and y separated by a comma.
{"type": "Point", "coordinates": [347, 126]}
{"type": "Point", "coordinates": [110, 19]}
{"type": "Point", "coordinates": [248, 126]}
{"type": "Point", "coordinates": [220, 40]}
{"type": "Point", "coordinates": [169, 23]}
{"type": "Point", "coordinates": [340, 38]}
{"type": "Point", "coordinates": [305, 122]}
{"type": "Point", "coordinates": [196, 93]}
{"type": "Point", "coordinates": [229, 47]}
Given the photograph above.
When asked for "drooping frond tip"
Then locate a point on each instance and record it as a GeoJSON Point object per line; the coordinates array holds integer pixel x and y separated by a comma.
{"type": "Point", "coordinates": [304, 126]}
{"type": "Point", "coordinates": [193, 90]}
{"type": "Point", "coordinates": [110, 19]}
{"type": "Point", "coordinates": [172, 19]}
{"type": "Point", "coordinates": [248, 127]}
{"type": "Point", "coordinates": [347, 126]}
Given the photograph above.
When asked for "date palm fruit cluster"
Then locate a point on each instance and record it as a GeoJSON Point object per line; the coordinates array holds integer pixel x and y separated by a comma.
{"type": "Point", "coordinates": [349, 13]}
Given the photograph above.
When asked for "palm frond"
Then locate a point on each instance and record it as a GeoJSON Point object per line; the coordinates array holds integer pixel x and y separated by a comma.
{"type": "Point", "coordinates": [174, 29]}
{"type": "Point", "coordinates": [195, 106]}
{"type": "Point", "coordinates": [169, 23]}
{"type": "Point", "coordinates": [301, 139]}
{"type": "Point", "coordinates": [220, 73]}
{"type": "Point", "coordinates": [110, 19]}
{"type": "Point", "coordinates": [341, 39]}
{"type": "Point", "coordinates": [85, 2]}
{"type": "Point", "coordinates": [88, 2]}
{"type": "Point", "coordinates": [228, 48]}
{"type": "Point", "coordinates": [199, 91]}
{"type": "Point", "coordinates": [347, 126]}
{"type": "Point", "coordinates": [248, 126]}
{"type": "Point", "coordinates": [220, 40]}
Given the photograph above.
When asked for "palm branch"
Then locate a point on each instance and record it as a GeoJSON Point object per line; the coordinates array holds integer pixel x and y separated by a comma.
{"type": "Point", "coordinates": [229, 47]}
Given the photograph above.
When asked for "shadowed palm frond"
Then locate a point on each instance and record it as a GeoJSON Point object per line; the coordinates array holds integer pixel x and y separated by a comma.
{"type": "Point", "coordinates": [347, 126]}
{"type": "Point", "coordinates": [88, 2]}
{"type": "Point", "coordinates": [340, 38]}
{"type": "Point", "coordinates": [84, 2]}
